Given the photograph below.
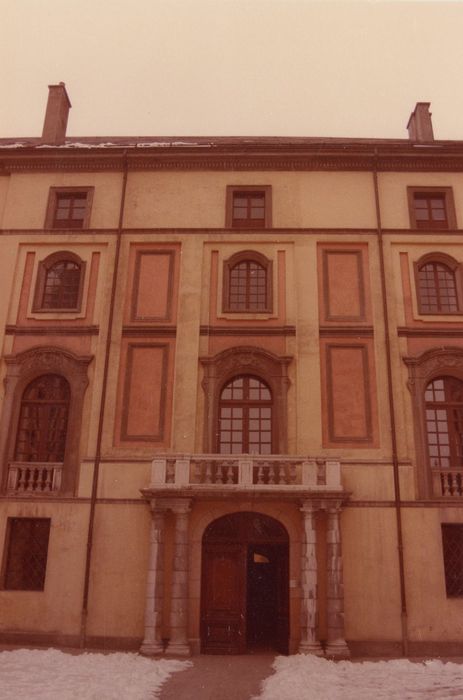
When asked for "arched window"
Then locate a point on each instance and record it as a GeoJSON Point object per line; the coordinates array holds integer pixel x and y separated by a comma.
{"type": "Point", "coordinates": [247, 283]}
{"type": "Point", "coordinates": [59, 283]}
{"type": "Point", "coordinates": [444, 422]}
{"type": "Point", "coordinates": [43, 419]}
{"type": "Point", "coordinates": [437, 285]}
{"type": "Point", "coordinates": [245, 417]}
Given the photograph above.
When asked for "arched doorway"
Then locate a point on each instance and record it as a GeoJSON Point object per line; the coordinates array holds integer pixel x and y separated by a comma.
{"type": "Point", "coordinates": [244, 590]}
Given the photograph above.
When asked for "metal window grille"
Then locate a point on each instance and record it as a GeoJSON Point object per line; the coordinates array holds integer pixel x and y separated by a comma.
{"type": "Point", "coordinates": [27, 550]}
{"type": "Point", "coordinates": [452, 543]}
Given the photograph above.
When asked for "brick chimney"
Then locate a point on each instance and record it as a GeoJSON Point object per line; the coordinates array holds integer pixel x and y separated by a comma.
{"type": "Point", "coordinates": [56, 116]}
{"type": "Point", "coordinates": [420, 125]}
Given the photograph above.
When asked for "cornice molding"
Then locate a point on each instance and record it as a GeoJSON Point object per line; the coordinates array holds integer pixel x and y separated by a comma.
{"type": "Point", "coordinates": [247, 330]}
{"type": "Point", "coordinates": [163, 159]}
{"type": "Point", "coordinates": [51, 330]}
{"type": "Point", "coordinates": [452, 332]}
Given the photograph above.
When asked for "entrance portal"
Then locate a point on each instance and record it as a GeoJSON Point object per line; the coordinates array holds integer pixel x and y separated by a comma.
{"type": "Point", "coordinates": [245, 594]}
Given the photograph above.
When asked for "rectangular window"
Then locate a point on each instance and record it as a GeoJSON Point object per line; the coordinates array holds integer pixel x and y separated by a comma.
{"type": "Point", "coordinates": [431, 208]}
{"type": "Point", "coordinates": [248, 207]}
{"type": "Point", "coordinates": [26, 554]}
{"type": "Point", "coordinates": [452, 543]}
{"type": "Point", "coordinates": [69, 207]}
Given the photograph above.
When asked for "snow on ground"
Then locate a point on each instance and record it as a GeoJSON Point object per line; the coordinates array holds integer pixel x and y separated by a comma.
{"type": "Point", "coordinates": [27, 674]}
{"type": "Point", "coordinates": [310, 678]}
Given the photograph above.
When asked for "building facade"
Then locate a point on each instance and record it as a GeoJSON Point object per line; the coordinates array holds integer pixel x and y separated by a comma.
{"type": "Point", "coordinates": [232, 397]}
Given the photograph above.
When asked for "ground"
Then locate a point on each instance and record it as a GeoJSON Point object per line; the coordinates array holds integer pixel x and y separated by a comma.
{"type": "Point", "coordinates": [32, 674]}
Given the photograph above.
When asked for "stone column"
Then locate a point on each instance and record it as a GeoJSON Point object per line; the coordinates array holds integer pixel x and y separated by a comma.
{"type": "Point", "coordinates": [178, 643]}
{"type": "Point", "coordinates": [309, 614]}
{"type": "Point", "coordinates": [152, 643]}
{"type": "Point", "coordinates": [336, 644]}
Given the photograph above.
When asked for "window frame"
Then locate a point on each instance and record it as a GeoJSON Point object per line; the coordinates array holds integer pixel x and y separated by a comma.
{"type": "Point", "coordinates": [449, 203]}
{"type": "Point", "coordinates": [44, 267]}
{"type": "Point", "coordinates": [46, 404]}
{"type": "Point", "coordinates": [245, 404]}
{"type": "Point", "coordinates": [232, 191]}
{"type": "Point", "coordinates": [52, 204]}
{"type": "Point", "coordinates": [11, 521]}
{"type": "Point", "coordinates": [233, 261]}
{"type": "Point", "coordinates": [454, 267]}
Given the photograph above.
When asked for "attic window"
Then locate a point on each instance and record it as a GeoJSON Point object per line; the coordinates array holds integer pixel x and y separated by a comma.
{"type": "Point", "coordinates": [69, 208]}
{"type": "Point", "coordinates": [431, 208]}
{"type": "Point", "coordinates": [249, 207]}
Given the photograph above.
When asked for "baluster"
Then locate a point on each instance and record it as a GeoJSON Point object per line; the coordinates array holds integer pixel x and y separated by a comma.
{"type": "Point", "coordinates": [170, 476]}
{"type": "Point", "coordinates": [219, 473]}
{"type": "Point", "coordinates": [48, 480]}
{"type": "Point", "coordinates": [230, 474]}
{"type": "Point", "coordinates": [271, 474]}
{"type": "Point", "coordinates": [459, 484]}
{"type": "Point", "coordinates": [445, 485]}
{"type": "Point", "coordinates": [22, 479]}
{"type": "Point", "coordinates": [208, 474]}
{"type": "Point", "coordinates": [282, 475]}
{"type": "Point", "coordinates": [292, 473]}
{"type": "Point", "coordinates": [260, 474]}
{"type": "Point", "coordinates": [197, 472]}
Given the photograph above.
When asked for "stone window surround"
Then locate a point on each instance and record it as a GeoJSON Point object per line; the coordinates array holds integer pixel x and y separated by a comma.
{"type": "Point", "coordinates": [221, 368]}
{"type": "Point", "coordinates": [229, 264]}
{"type": "Point", "coordinates": [266, 190]}
{"type": "Point", "coordinates": [55, 192]}
{"type": "Point", "coordinates": [23, 368]}
{"type": "Point", "coordinates": [445, 192]}
{"type": "Point", "coordinates": [42, 270]}
{"type": "Point", "coordinates": [454, 266]}
{"type": "Point", "coordinates": [433, 363]}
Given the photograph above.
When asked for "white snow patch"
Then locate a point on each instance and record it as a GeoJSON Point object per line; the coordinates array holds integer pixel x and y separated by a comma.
{"type": "Point", "coordinates": [304, 677]}
{"type": "Point", "coordinates": [53, 675]}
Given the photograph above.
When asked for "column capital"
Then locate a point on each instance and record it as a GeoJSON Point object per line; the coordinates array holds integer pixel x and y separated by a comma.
{"type": "Point", "coordinates": [180, 506]}
{"type": "Point", "coordinates": [156, 506]}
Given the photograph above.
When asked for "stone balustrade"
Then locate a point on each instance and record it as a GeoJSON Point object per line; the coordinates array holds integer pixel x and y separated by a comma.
{"type": "Point", "coordinates": [253, 472]}
{"type": "Point", "coordinates": [448, 482]}
{"type": "Point", "coordinates": [34, 478]}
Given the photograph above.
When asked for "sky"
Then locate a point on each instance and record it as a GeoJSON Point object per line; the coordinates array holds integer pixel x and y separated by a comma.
{"type": "Point", "coordinates": [232, 67]}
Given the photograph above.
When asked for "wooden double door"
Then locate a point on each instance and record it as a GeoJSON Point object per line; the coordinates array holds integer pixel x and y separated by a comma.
{"type": "Point", "coordinates": [245, 597]}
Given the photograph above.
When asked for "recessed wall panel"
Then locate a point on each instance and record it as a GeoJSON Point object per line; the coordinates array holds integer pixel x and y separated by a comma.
{"type": "Point", "coordinates": [145, 392]}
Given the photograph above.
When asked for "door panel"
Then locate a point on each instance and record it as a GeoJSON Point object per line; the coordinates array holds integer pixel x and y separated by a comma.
{"type": "Point", "coordinates": [223, 628]}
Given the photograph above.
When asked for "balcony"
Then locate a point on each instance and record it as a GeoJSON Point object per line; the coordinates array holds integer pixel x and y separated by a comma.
{"type": "Point", "coordinates": [34, 478]}
{"type": "Point", "coordinates": [447, 482]}
{"type": "Point", "coordinates": [215, 474]}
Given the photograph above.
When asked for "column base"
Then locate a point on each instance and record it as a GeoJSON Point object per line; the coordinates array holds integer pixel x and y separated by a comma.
{"type": "Point", "coordinates": [337, 649]}
{"type": "Point", "coordinates": [314, 648]}
{"type": "Point", "coordinates": [151, 649]}
{"type": "Point", "coordinates": [178, 649]}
